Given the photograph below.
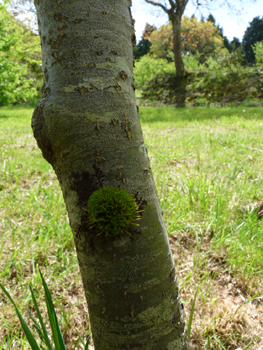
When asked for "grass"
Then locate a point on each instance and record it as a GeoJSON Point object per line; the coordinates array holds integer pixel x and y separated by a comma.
{"type": "Point", "coordinates": [207, 164]}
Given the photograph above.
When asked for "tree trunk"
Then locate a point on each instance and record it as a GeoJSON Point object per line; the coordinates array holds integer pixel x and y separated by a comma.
{"type": "Point", "coordinates": [177, 47]}
{"type": "Point", "coordinates": [87, 126]}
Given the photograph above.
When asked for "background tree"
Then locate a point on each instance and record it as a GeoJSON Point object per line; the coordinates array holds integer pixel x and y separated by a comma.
{"type": "Point", "coordinates": [19, 60]}
{"type": "Point", "coordinates": [175, 13]}
{"type": "Point", "coordinates": [196, 36]}
{"type": "Point", "coordinates": [87, 126]}
{"type": "Point", "coordinates": [258, 51]}
{"type": "Point", "coordinates": [253, 34]}
{"type": "Point", "coordinates": [143, 46]}
{"type": "Point", "coordinates": [175, 10]}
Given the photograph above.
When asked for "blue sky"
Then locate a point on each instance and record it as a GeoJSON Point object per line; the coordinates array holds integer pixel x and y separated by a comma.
{"type": "Point", "coordinates": [233, 25]}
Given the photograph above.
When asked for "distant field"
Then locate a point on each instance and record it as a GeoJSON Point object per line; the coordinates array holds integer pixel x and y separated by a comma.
{"type": "Point", "coordinates": [208, 168]}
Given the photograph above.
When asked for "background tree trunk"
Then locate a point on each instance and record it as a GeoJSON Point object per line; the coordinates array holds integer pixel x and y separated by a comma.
{"type": "Point", "coordinates": [177, 50]}
{"type": "Point", "coordinates": [88, 129]}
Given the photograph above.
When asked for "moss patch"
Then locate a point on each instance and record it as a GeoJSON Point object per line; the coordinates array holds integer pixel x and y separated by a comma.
{"type": "Point", "coordinates": [111, 211]}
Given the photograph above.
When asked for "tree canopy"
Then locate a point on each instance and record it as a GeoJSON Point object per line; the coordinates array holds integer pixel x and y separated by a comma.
{"type": "Point", "coordinates": [201, 36]}
{"type": "Point", "coordinates": [253, 34]}
{"type": "Point", "coordinates": [19, 59]}
{"type": "Point", "coordinates": [143, 46]}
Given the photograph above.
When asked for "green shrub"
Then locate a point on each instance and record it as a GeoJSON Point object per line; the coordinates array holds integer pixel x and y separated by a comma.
{"type": "Point", "coordinates": [258, 51]}
{"type": "Point", "coordinates": [148, 67]}
{"type": "Point", "coordinates": [192, 62]}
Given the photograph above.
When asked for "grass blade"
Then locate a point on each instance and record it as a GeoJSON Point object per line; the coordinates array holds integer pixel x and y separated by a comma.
{"type": "Point", "coordinates": [44, 331]}
{"type": "Point", "coordinates": [57, 336]}
{"type": "Point", "coordinates": [186, 280]}
{"type": "Point", "coordinates": [193, 307]}
{"type": "Point", "coordinates": [86, 346]}
{"type": "Point", "coordinates": [25, 327]}
{"type": "Point", "coordinates": [248, 300]}
{"type": "Point", "coordinates": [191, 315]}
{"type": "Point", "coordinates": [36, 326]}
{"type": "Point", "coordinates": [252, 342]}
{"type": "Point", "coordinates": [219, 342]}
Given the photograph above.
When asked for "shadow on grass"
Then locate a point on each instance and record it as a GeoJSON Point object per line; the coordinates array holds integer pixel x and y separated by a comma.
{"type": "Point", "coordinates": [175, 115]}
{"type": "Point", "coordinates": [5, 116]}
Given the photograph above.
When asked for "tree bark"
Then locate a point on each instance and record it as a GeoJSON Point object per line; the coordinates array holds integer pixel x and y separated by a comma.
{"type": "Point", "coordinates": [177, 46]}
{"type": "Point", "coordinates": [87, 127]}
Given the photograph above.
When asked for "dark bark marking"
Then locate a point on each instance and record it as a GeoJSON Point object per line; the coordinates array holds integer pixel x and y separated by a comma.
{"type": "Point", "coordinates": [133, 39]}
{"type": "Point", "coordinates": [99, 52]}
{"type": "Point", "coordinates": [123, 75]}
{"type": "Point", "coordinates": [108, 59]}
{"type": "Point", "coordinates": [55, 55]}
{"type": "Point", "coordinates": [146, 171]}
{"type": "Point", "coordinates": [126, 127]}
{"type": "Point", "coordinates": [133, 313]}
{"type": "Point", "coordinates": [117, 87]}
{"type": "Point", "coordinates": [115, 121]}
{"type": "Point", "coordinates": [104, 13]}
{"type": "Point", "coordinates": [61, 26]}
{"type": "Point", "coordinates": [120, 176]}
{"type": "Point", "coordinates": [81, 89]}
{"type": "Point", "coordinates": [46, 91]}
{"type": "Point", "coordinates": [75, 54]}
{"type": "Point", "coordinates": [59, 17]}
{"type": "Point", "coordinates": [98, 127]}
{"type": "Point", "coordinates": [44, 39]}
{"type": "Point", "coordinates": [83, 183]}
{"type": "Point", "coordinates": [91, 64]}
{"type": "Point", "coordinates": [114, 52]}
{"type": "Point", "coordinates": [58, 42]}
{"type": "Point", "coordinates": [141, 202]}
{"type": "Point", "coordinates": [46, 74]}
{"type": "Point", "coordinates": [100, 177]}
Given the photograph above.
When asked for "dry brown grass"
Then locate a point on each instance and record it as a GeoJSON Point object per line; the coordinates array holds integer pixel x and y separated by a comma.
{"type": "Point", "coordinates": [222, 308]}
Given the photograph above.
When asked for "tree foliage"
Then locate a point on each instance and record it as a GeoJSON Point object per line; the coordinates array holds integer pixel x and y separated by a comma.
{"type": "Point", "coordinates": [143, 46]}
{"type": "Point", "coordinates": [258, 51]}
{"type": "Point", "coordinates": [253, 34]}
{"type": "Point", "coordinates": [196, 36]}
{"type": "Point", "coordinates": [19, 60]}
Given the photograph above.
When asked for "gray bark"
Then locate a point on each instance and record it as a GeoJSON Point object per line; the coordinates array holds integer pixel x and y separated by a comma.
{"type": "Point", "coordinates": [88, 129]}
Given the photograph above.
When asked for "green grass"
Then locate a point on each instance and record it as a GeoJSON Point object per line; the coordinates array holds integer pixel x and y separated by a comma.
{"type": "Point", "coordinates": [208, 168]}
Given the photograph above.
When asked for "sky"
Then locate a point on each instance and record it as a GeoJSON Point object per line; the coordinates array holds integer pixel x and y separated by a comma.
{"type": "Point", "coordinates": [233, 25]}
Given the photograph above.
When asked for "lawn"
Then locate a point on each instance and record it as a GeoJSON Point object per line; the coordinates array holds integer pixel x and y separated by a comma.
{"type": "Point", "coordinates": [208, 168]}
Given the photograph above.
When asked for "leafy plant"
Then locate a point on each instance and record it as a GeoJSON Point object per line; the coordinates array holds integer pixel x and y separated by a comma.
{"type": "Point", "coordinates": [40, 328]}
{"type": "Point", "coordinates": [258, 51]}
{"type": "Point", "coordinates": [147, 68]}
{"type": "Point", "coordinates": [19, 60]}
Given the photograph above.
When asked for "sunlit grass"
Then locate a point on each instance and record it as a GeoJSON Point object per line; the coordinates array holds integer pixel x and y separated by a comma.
{"type": "Point", "coordinates": [208, 172]}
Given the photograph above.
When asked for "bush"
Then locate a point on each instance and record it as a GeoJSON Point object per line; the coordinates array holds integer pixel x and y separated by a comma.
{"type": "Point", "coordinates": [258, 51]}
{"type": "Point", "coordinates": [147, 68]}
